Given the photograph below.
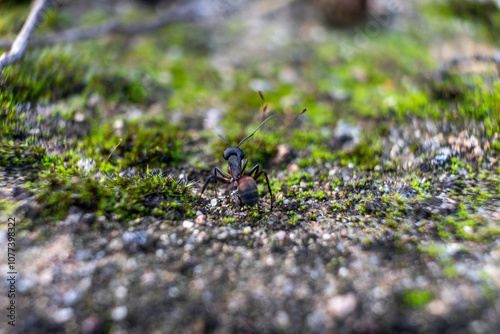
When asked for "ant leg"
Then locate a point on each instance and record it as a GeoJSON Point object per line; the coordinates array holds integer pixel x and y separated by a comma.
{"type": "Point", "coordinates": [255, 169]}
{"type": "Point", "coordinates": [220, 179]}
{"type": "Point", "coordinates": [217, 178]}
{"type": "Point", "coordinates": [267, 180]}
{"type": "Point", "coordinates": [244, 166]}
{"type": "Point", "coordinates": [211, 177]}
{"type": "Point", "coordinates": [224, 176]}
{"type": "Point", "coordinates": [217, 169]}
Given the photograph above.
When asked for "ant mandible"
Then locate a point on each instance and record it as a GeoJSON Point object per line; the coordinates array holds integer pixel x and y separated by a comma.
{"type": "Point", "coordinates": [246, 185]}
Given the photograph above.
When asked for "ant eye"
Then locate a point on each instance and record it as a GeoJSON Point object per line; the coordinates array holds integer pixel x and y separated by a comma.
{"type": "Point", "coordinates": [241, 154]}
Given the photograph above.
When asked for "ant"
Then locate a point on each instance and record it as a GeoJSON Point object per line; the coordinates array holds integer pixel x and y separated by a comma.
{"type": "Point", "coordinates": [246, 185]}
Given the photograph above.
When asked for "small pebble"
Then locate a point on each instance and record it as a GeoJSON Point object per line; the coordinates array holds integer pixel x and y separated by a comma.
{"type": "Point", "coordinates": [63, 315]}
{"type": "Point", "coordinates": [187, 224]}
{"type": "Point", "coordinates": [119, 313]}
{"type": "Point", "coordinates": [71, 297]}
{"type": "Point", "coordinates": [282, 320]}
{"type": "Point", "coordinates": [92, 325]}
{"type": "Point", "coordinates": [342, 305]}
{"type": "Point", "coordinates": [281, 235]}
{"type": "Point", "coordinates": [79, 117]}
{"type": "Point", "coordinates": [222, 235]}
{"type": "Point", "coordinates": [201, 219]}
{"type": "Point", "coordinates": [468, 229]}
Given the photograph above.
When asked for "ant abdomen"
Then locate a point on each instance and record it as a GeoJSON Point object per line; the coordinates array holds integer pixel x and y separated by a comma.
{"type": "Point", "coordinates": [247, 189]}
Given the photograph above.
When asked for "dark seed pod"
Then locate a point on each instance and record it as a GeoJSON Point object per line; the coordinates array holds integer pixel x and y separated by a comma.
{"type": "Point", "coordinates": [247, 189]}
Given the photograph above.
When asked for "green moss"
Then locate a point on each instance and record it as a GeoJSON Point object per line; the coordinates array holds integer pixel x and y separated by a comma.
{"type": "Point", "coordinates": [417, 299]}
{"type": "Point", "coordinates": [16, 155]}
{"type": "Point", "coordinates": [125, 197]}
{"type": "Point", "coordinates": [43, 75]}
{"type": "Point", "coordinates": [118, 87]}
{"type": "Point", "coordinates": [149, 142]}
{"type": "Point", "coordinates": [483, 12]}
{"type": "Point", "coordinates": [7, 208]}
{"type": "Point", "coordinates": [228, 221]}
{"type": "Point", "coordinates": [14, 14]}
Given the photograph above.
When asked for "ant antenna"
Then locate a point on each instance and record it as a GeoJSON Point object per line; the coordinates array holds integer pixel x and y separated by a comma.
{"type": "Point", "coordinates": [224, 139]}
{"type": "Point", "coordinates": [250, 135]}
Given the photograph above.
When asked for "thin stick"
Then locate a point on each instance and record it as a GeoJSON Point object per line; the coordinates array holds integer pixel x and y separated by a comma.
{"type": "Point", "coordinates": [297, 117]}
{"type": "Point", "coordinates": [264, 105]}
{"type": "Point", "coordinates": [112, 151]}
{"type": "Point", "coordinates": [18, 47]}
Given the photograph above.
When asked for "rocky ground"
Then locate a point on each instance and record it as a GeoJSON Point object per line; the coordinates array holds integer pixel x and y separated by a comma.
{"type": "Point", "coordinates": [386, 211]}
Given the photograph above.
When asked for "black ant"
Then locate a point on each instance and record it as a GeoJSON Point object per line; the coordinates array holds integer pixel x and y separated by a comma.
{"type": "Point", "coordinates": [246, 185]}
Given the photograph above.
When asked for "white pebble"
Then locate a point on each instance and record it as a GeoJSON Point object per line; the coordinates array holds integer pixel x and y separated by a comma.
{"type": "Point", "coordinates": [63, 315]}
{"type": "Point", "coordinates": [282, 320]}
{"type": "Point", "coordinates": [342, 305]}
{"type": "Point", "coordinates": [222, 235]}
{"type": "Point", "coordinates": [71, 297]}
{"type": "Point", "coordinates": [281, 235]}
{"type": "Point", "coordinates": [119, 313]}
{"type": "Point", "coordinates": [187, 224]}
{"type": "Point", "coordinates": [173, 292]}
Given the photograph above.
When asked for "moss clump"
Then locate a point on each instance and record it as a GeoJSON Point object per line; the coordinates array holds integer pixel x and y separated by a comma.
{"type": "Point", "coordinates": [365, 155]}
{"type": "Point", "coordinates": [483, 12]}
{"type": "Point", "coordinates": [147, 143]}
{"type": "Point", "coordinates": [43, 75]}
{"type": "Point", "coordinates": [16, 148]}
{"type": "Point", "coordinates": [14, 154]}
{"type": "Point", "coordinates": [14, 14]}
{"type": "Point", "coordinates": [127, 197]}
{"type": "Point", "coordinates": [11, 123]}
{"type": "Point", "coordinates": [118, 87]}
{"type": "Point", "coordinates": [417, 299]}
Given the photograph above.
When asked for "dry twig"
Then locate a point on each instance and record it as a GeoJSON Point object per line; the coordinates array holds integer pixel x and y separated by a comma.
{"type": "Point", "coordinates": [18, 47]}
{"type": "Point", "coordinates": [112, 151]}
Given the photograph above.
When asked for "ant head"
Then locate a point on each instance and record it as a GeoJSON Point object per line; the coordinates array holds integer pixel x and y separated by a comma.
{"type": "Point", "coordinates": [233, 151]}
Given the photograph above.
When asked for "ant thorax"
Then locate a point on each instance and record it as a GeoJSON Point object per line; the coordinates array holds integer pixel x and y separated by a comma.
{"type": "Point", "coordinates": [234, 166]}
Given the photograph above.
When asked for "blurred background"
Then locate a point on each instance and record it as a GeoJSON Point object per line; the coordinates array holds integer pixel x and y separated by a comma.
{"type": "Point", "coordinates": [364, 62]}
{"type": "Point", "coordinates": [199, 64]}
{"type": "Point", "coordinates": [386, 214]}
